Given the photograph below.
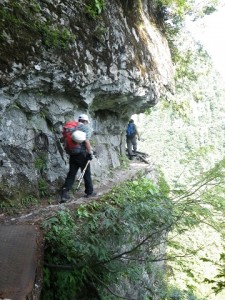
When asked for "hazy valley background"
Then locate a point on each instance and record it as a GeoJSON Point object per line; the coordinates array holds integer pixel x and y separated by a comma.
{"type": "Point", "coordinates": [184, 140]}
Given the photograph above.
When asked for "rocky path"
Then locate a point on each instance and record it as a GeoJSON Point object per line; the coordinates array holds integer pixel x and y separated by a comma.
{"type": "Point", "coordinates": [26, 258]}
{"type": "Point", "coordinates": [37, 214]}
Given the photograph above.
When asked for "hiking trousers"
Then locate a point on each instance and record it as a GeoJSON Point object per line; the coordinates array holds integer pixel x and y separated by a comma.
{"type": "Point", "coordinates": [131, 145]}
{"type": "Point", "coordinates": [75, 162]}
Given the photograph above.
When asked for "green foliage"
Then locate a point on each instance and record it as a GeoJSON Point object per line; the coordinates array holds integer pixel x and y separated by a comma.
{"type": "Point", "coordinates": [191, 61]}
{"type": "Point", "coordinates": [8, 206]}
{"type": "Point", "coordinates": [124, 162]}
{"type": "Point", "coordinates": [95, 7]}
{"type": "Point", "coordinates": [28, 201]}
{"type": "Point", "coordinates": [23, 17]}
{"type": "Point", "coordinates": [209, 10]}
{"type": "Point", "coordinates": [201, 203]}
{"type": "Point", "coordinates": [182, 62]}
{"type": "Point", "coordinates": [174, 13]}
{"type": "Point", "coordinates": [218, 281]}
{"type": "Point", "coordinates": [200, 197]}
{"type": "Point", "coordinates": [190, 65]}
{"type": "Point", "coordinates": [176, 294]}
{"type": "Point", "coordinates": [54, 36]}
{"type": "Point", "coordinates": [40, 163]}
{"type": "Point", "coordinates": [13, 206]}
{"type": "Point", "coordinates": [43, 187]}
{"type": "Point", "coordinates": [189, 154]}
{"type": "Point", "coordinates": [178, 7]}
{"type": "Point", "coordinates": [104, 242]}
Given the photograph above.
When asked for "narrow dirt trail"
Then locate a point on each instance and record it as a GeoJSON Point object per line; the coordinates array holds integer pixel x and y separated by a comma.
{"type": "Point", "coordinates": [27, 258]}
{"type": "Point", "coordinates": [36, 214]}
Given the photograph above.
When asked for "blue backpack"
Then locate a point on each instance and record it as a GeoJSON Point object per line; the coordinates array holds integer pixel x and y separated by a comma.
{"type": "Point", "coordinates": [131, 130]}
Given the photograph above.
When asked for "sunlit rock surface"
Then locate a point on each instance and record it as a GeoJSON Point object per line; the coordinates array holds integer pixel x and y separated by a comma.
{"type": "Point", "coordinates": [56, 61]}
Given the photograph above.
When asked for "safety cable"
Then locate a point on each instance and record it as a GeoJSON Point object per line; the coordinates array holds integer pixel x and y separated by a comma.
{"type": "Point", "coordinates": [41, 143]}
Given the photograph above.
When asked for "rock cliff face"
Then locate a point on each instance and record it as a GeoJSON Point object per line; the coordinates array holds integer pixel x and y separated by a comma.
{"type": "Point", "coordinates": [61, 58]}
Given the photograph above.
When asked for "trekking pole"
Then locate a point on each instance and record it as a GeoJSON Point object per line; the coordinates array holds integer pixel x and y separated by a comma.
{"type": "Point", "coordinates": [82, 175]}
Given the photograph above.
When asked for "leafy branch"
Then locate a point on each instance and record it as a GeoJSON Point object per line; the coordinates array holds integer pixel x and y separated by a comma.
{"type": "Point", "coordinates": [121, 234]}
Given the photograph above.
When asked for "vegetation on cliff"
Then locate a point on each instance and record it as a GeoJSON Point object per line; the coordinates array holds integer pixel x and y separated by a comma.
{"type": "Point", "coordinates": [116, 245]}
{"type": "Point", "coordinates": [106, 248]}
{"type": "Point", "coordinates": [184, 134]}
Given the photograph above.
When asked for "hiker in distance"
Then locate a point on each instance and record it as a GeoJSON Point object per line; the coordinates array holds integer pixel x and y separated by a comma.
{"type": "Point", "coordinates": [132, 134]}
{"type": "Point", "coordinates": [80, 154]}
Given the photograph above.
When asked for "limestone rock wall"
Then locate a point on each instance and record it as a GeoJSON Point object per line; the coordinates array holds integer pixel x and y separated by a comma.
{"type": "Point", "coordinates": [57, 61]}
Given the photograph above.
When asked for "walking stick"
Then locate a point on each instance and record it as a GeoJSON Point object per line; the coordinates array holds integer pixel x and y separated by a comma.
{"type": "Point", "coordinates": [82, 175]}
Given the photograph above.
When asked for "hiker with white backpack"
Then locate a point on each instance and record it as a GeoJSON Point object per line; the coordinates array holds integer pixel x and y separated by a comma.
{"type": "Point", "coordinates": [76, 143]}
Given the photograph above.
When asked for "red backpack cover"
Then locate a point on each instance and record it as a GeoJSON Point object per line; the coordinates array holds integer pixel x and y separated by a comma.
{"type": "Point", "coordinates": [70, 146]}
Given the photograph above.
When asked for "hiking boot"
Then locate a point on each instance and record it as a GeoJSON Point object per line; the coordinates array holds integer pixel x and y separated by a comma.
{"type": "Point", "coordinates": [64, 196]}
{"type": "Point", "coordinates": [94, 194]}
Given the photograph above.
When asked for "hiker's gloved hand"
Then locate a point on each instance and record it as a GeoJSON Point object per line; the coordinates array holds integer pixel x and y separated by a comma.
{"type": "Point", "coordinates": [90, 156]}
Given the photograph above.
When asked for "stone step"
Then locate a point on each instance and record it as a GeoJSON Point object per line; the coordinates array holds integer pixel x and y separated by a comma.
{"type": "Point", "coordinates": [18, 260]}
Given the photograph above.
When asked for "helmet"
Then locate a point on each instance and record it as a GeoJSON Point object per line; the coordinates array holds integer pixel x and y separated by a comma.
{"type": "Point", "coordinates": [83, 117]}
{"type": "Point", "coordinates": [78, 136]}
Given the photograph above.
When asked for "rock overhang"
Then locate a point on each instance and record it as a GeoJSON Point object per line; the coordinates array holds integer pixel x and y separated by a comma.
{"type": "Point", "coordinates": [109, 67]}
